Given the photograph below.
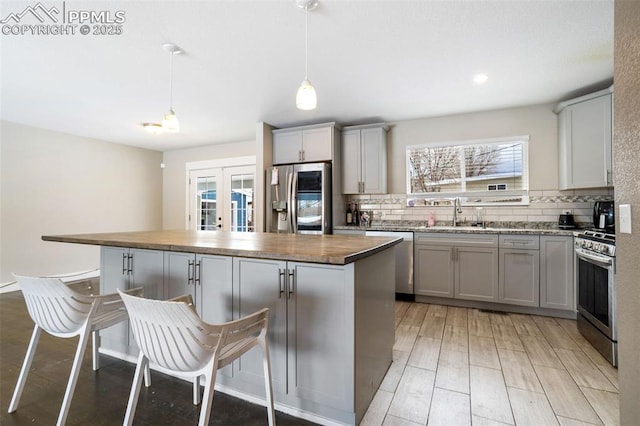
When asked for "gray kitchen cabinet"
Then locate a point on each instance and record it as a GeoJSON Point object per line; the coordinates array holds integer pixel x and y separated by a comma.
{"type": "Point", "coordinates": [463, 266]}
{"type": "Point", "coordinates": [207, 278]}
{"type": "Point", "coordinates": [519, 280]}
{"type": "Point", "coordinates": [364, 159]}
{"type": "Point", "coordinates": [433, 270]}
{"type": "Point", "coordinates": [306, 144]}
{"type": "Point", "coordinates": [584, 138]}
{"type": "Point", "coordinates": [125, 268]}
{"type": "Point", "coordinates": [309, 324]}
{"type": "Point", "coordinates": [557, 287]}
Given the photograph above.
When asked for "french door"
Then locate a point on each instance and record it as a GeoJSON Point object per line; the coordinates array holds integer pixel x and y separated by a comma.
{"type": "Point", "coordinates": [222, 199]}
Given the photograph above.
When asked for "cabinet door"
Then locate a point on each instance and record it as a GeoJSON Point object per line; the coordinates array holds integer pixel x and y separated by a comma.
{"type": "Point", "coordinates": [317, 145]}
{"type": "Point", "coordinates": [261, 284]}
{"type": "Point", "coordinates": [114, 275]}
{"type": "Point", "coordinates": [476, 276]}
{"type": "Point", "coordinates": [214, 294]}
{"type": "Point", "coordinates": [148, 272]}
{"type": "Point", "coordinates": [519, 277]}
{"type": "Point", "coordinates": [433, 270]}
{"type": "Point", "coordinates": [321, 336]}
{"type": "Point", "coordinates": [557, 284]}
{"type": "Point", "coordinates": [351, 162]}
{"type": "Point", "coordinates": [374, 160]}
{"type": "Point", "coordinates": [179, 274]}
{"type": "Point", "coordinates": [585, 144]}
{"type": "Point", "coordinates": [287, 147]}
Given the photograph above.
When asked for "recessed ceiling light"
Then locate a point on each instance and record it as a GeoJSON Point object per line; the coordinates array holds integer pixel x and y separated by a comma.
{"type": "Point", "coordinates": [480, 78]}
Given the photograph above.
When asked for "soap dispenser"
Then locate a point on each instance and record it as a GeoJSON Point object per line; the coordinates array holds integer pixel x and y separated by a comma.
{"type": "Point", "coordinates": [431, 220]}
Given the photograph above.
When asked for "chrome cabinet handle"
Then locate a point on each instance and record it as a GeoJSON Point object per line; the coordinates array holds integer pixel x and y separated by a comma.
{"type": "Point", "coordinates": [197, 271]}
{"type": "Point", "coordinates": [280, 283]}
{"type": "Point", "coordinates": [291, 282]}
{"type": "Point", "coordinates": [190, 272]}
{"type": "Point", "coordinates": [125, 263]}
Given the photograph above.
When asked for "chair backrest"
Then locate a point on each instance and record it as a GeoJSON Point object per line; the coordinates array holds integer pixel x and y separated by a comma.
{"type": "Point", "coordinates": [170, 333]}
{"type": "Point", "coordinates": [53, 306]}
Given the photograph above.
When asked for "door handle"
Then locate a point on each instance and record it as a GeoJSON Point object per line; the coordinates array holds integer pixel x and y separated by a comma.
{"type": "Point", "coordinates": [291, 282]}
{"type": "Point", "coordinates": [130, 264]}
{"type": "Point", "coordinates": [280, 283]}
{"type": "Point", "coordinates": [190, 272]}
{"type": "Point", "coordinates": [197, 271]}
{"type": "Point", "coordinates": [125, 263]}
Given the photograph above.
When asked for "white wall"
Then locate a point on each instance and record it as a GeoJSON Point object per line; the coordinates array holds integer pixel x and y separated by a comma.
{"type": "Point", "coordinates": [538, 121]}
{"type": "Point", "coordinates": [174, 189]}
{"type": "Point", "coordinates": [56, 183]}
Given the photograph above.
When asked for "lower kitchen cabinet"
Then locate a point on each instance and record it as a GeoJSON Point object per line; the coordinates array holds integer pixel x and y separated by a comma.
{"type": "Point", "coordinates": [126, 268]}
{"type": "Point", "coordinates": [309, 324]}
{"type": "Point", "coordinates": [557, 288]}
{"type": "Point", "coordinates": [433, 270]}
{"type": "Point", "coordinates": [462, 266]}
{"type": "Point", "coordinates": [519, 270]}
{"type": "Point", "coordinates": [206, 278]}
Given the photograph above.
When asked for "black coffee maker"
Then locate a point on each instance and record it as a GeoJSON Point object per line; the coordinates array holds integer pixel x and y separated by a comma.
{"type": "Point", "coordinates": [603, 217]}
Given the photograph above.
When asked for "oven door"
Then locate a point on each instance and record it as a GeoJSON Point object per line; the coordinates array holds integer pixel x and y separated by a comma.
{"type": "Point", "coordinates": [595, 278]}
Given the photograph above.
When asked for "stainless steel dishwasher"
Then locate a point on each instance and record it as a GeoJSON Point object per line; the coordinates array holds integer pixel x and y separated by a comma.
{"type": "Point", "coordinates": [404, 259]}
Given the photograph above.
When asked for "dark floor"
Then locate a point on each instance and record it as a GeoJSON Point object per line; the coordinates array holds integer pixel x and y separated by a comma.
{"type": "Point", "coordinates": [100, 397]}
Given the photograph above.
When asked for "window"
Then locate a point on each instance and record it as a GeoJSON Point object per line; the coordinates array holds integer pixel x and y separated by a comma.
{"type": "Point", "coordinates": [486, 171]}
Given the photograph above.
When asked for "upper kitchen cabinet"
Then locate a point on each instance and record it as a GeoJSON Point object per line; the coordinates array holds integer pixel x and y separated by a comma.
{"type": "Point", "coordinates": [306, 144]}
{"type": "Point", "coordinates": [584, 136]}
{"type": "Point", "coordinates": [364, 159]}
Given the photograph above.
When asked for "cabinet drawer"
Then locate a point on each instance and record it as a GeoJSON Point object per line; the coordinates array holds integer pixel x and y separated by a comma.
{"type": "Point", "coordinates": [458, 240]}
{"type": "Point", "coordinates": [525, 242]}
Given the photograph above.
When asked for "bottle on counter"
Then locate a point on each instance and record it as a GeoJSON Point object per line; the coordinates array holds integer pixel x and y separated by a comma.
{"type": "Point", "coordinates": [349, 214]}
{"type": "Point", "coordinates": [431, 220]}
{"type": "Point", "coordinates": [356, 215]}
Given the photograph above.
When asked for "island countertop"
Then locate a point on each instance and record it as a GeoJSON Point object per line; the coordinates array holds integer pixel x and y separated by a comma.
{"type": "Point", "coordinates": [327, 249]}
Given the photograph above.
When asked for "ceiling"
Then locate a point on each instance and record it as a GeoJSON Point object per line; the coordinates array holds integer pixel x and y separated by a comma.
{"type": "Point", "coordinates": [244, 60]}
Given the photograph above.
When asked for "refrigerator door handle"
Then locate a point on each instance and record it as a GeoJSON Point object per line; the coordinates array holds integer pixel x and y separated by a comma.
{"type": "Point", "coordinates": [293, 187]}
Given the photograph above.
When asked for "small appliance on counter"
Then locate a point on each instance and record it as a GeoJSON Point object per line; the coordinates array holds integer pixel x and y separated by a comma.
{"type": "Point", "coordinates": [566, 221]}
{"type": "Point", "coordinates": [603, 216]}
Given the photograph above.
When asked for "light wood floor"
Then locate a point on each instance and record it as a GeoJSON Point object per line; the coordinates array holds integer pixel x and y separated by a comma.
{"type": "Point", "coordinates": [459, 366]}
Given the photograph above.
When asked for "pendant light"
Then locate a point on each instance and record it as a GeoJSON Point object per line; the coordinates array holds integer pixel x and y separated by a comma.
{"type": "Point", "coordinates": [306, 97]}
{"type": "Point", "coordinates": [170, 121]}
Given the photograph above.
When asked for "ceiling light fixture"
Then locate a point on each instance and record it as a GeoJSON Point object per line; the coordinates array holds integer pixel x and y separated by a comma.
{"type": "Point", "coordinates": [153, 128]}
{"type": "Point", "coordinates": [306, 97]}
{"type": "Point", "coordinates": [480, 78]}
{"type": "Point", "coordinates": [170, 121]}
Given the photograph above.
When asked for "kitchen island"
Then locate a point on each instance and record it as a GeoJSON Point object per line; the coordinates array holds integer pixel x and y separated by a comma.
{"type": "Point", "coordinates": [331, 301]}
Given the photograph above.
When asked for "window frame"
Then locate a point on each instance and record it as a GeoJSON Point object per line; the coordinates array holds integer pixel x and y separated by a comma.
{"type": "Point", "coordinates": [496, 197]}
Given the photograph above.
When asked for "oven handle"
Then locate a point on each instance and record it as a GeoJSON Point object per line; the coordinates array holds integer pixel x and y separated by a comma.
{"type": "Point", "coordinates": [594, 257]}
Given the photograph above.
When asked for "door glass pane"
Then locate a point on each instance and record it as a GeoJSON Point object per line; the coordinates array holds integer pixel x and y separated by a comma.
{"type": "Point", "coordinates": [242, 186]}
{"type": "Point", "coordinates": [207, 202]}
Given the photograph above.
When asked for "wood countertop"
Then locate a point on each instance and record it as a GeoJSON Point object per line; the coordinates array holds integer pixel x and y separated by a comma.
{"type": "Point", "coordinates": [326, 249]}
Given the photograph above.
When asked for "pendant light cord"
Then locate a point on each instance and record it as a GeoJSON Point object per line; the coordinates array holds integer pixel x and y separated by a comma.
{"type": "Point", "coordinates": [306, 41]}
{"type": "Point", "coordinates": [171, 81]}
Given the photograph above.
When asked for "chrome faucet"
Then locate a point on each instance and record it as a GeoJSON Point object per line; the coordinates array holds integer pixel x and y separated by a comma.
{"type": "Point", "coordinates": [457, 208]}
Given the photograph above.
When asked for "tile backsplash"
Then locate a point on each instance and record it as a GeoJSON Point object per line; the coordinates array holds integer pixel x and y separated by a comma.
{"type": "Point", "coordinates": [542, 212]}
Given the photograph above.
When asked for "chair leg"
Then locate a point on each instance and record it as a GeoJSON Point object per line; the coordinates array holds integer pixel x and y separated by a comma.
{"type": "Point", "coordinates": [95, 344]}
{"type": "Point", "coordinates": [267, 381]}
{"type": "Point", "coordinates": [207, 399]}
{"type": "Point", "coordinates": [147, 375]}
{"type": "Point", "coordinates": [73, 377]}
{"type": "Point", "coordinates": [26, 366]}
{"type": "Point", "coordinates": [141, 369]}
{"type": "Point", "coordinates": [196, 391]}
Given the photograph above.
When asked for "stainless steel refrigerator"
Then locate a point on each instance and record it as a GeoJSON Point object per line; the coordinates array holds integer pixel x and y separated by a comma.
{"type": "Point", "coordinates": [299, 198]}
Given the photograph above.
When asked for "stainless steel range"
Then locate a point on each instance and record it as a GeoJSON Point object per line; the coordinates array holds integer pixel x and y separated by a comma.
{"type": "Point", "coordinates": [595, 279]}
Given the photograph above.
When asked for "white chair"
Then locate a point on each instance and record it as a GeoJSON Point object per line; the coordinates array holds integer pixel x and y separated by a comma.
{"type": "Point", "coordinates": [171, 336]}
{"type": "Point", "coordinates": [63, 312]}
